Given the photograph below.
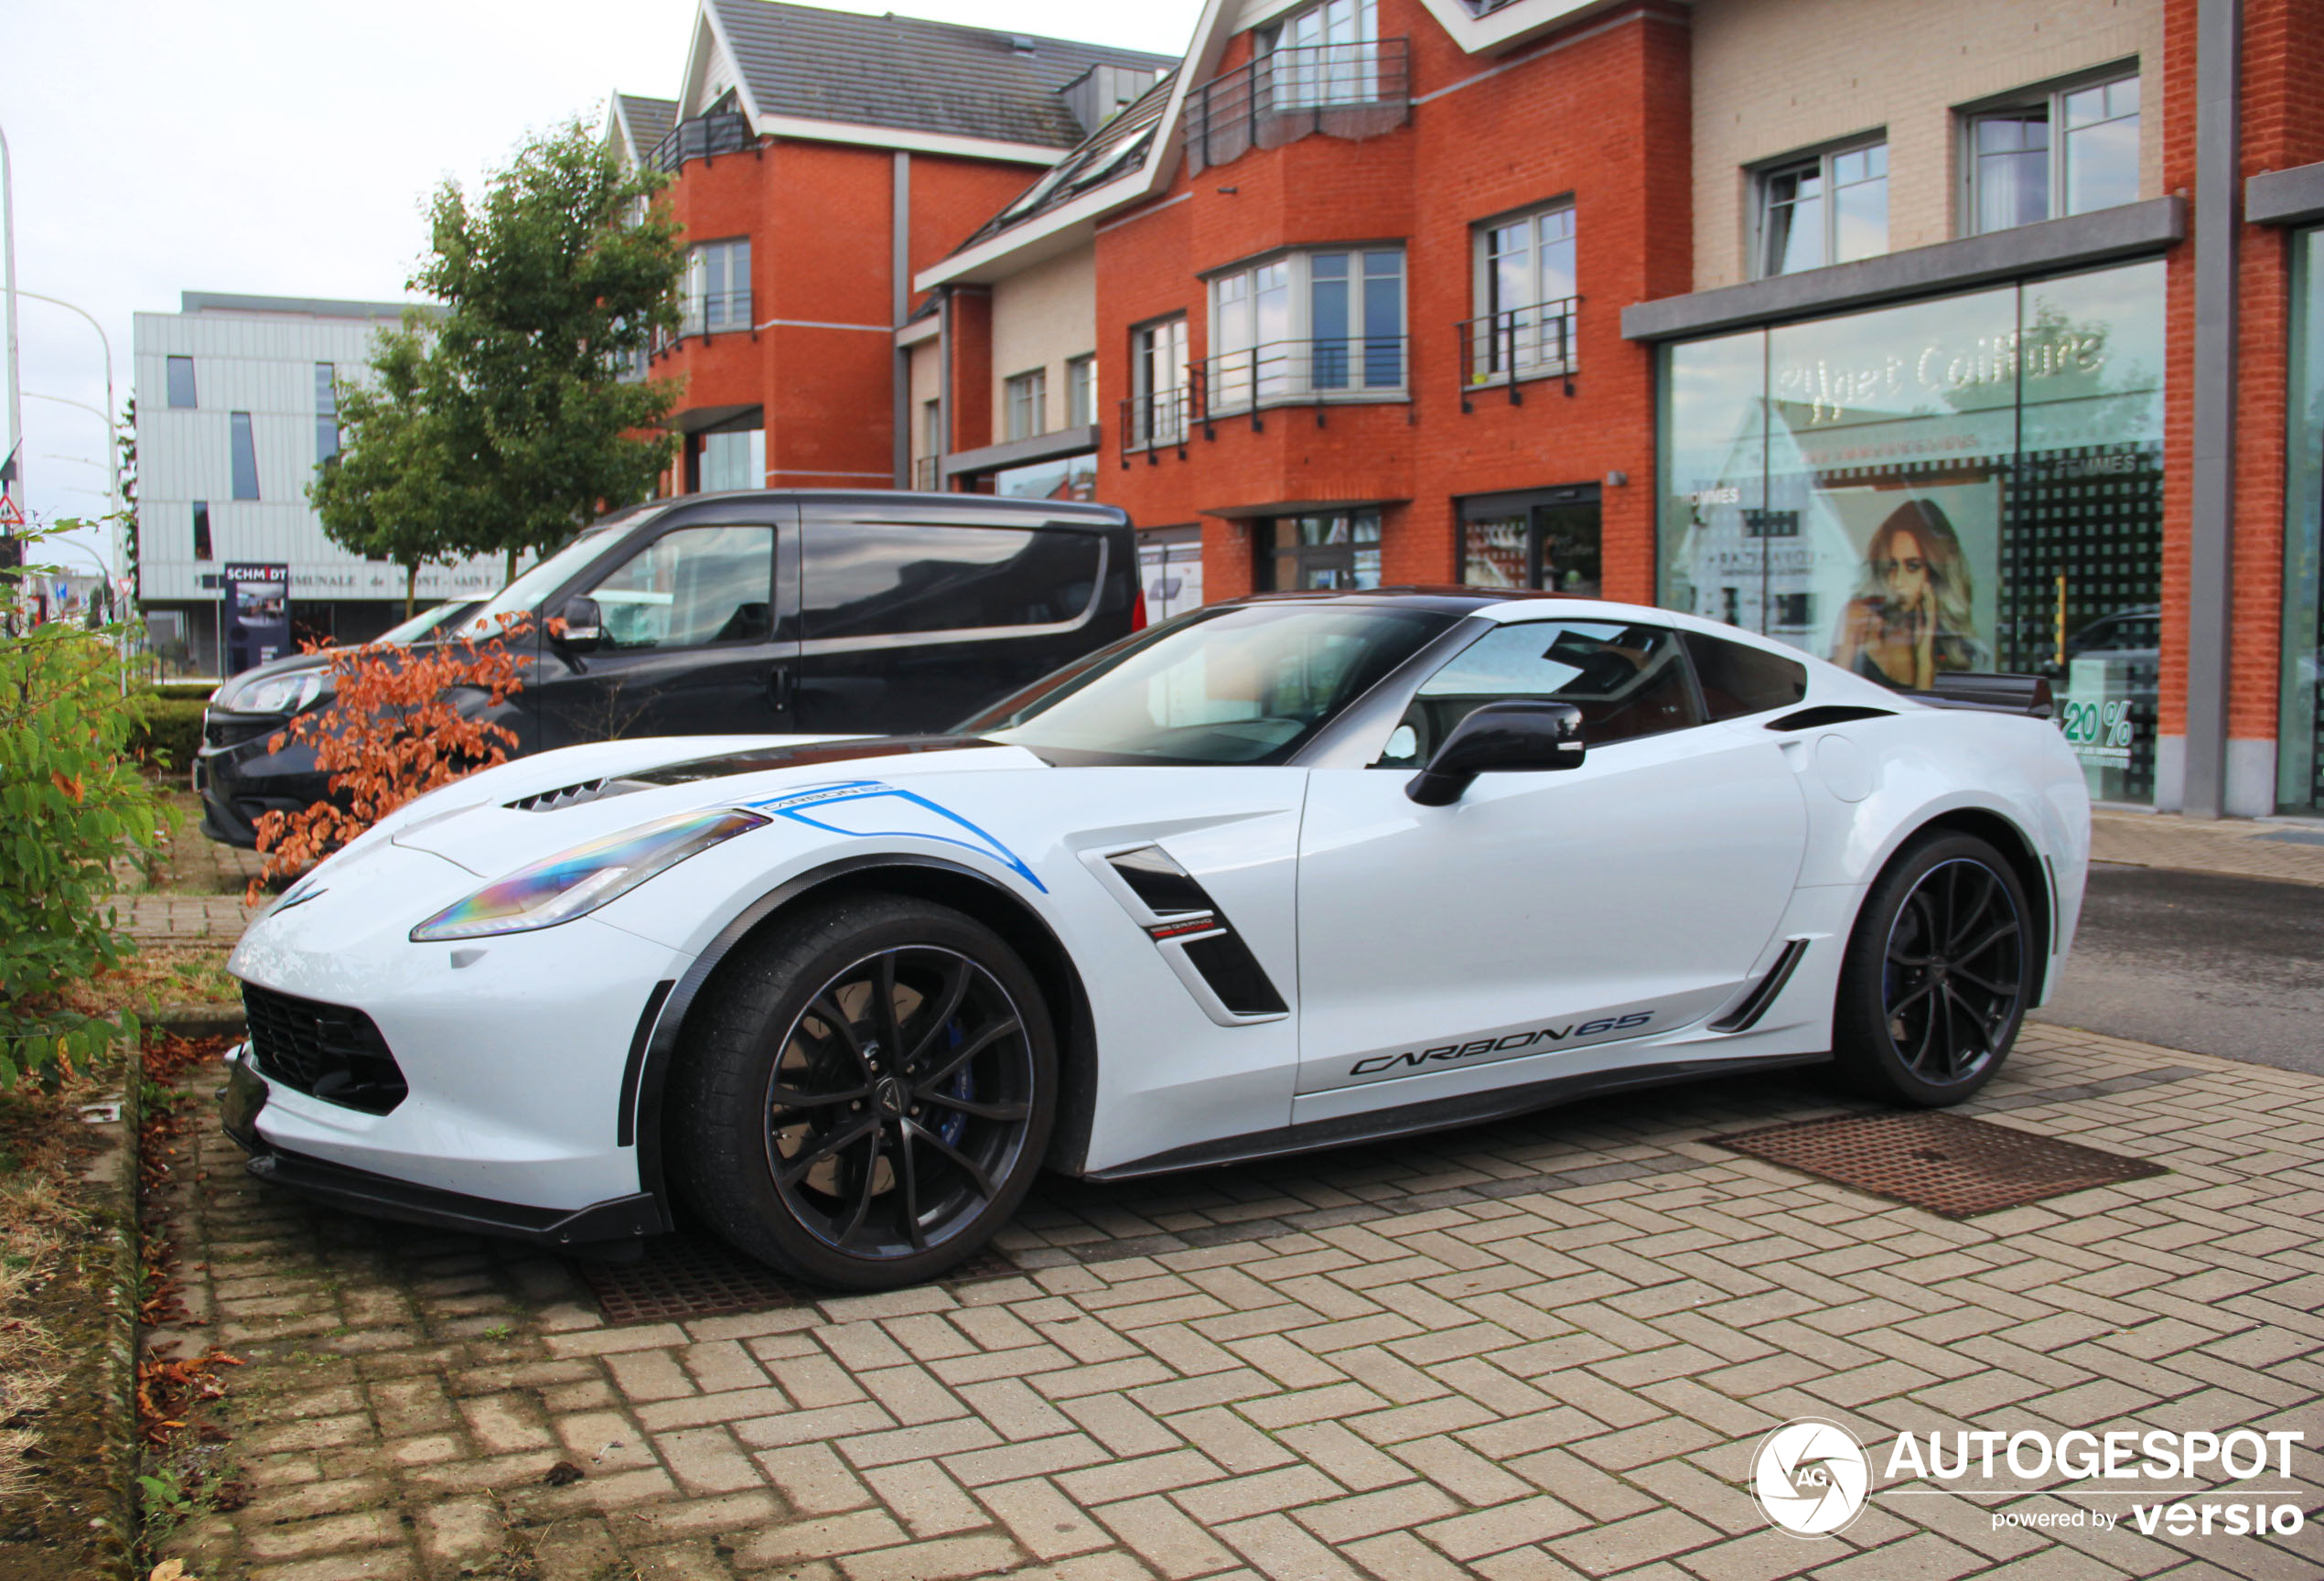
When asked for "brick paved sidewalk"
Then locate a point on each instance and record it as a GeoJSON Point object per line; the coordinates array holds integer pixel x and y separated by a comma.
{"type": "Point", "coordinates": [165, 919]}
{"type": "Point", "coordinates": [1539, 1349]}
{"type": "Point", "coordinates": [2290, 852]}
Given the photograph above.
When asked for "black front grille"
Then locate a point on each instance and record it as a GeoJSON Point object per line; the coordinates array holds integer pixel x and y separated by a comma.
{"type": "Point", "coordinates": [325, 1051]}
{"type": "Point", "coordinates": [231, 729]}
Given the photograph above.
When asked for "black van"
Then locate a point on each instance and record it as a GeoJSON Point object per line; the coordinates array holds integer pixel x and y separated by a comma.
{"type": "Point", "coordinates": [853, 612]}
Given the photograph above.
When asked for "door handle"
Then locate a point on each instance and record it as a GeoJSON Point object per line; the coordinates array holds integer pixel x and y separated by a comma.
{"type": "Point", "coordinates": [778, 685]}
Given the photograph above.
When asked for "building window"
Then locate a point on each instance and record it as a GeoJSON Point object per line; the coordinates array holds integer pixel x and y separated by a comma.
{"type": "Point", "coordinates": [1322, 55]}
{"type": "Point", "coordinates": [932, 443]}
{"type": "Point", "coordinates": [717, 288]}
{"type": "Point", "coordinates": [202, 550]}
{"type": "Point", "coordinates": [1826, 208]}
{"type": "Point", "coordinates": [1028, 396]}
{"type": "Point", "coordinates": [181, 381]}
{"type": "Point", "coordinates": [326, 414]}
{"type": "Point", "coordinates": [1081, 391]}
{"type": "Point", "coordinates": [1158, 403]}
{"type": "Point", "coordinates": [2064, 150]}
{"type": "Point", "coordinates": [245, 458]}
{"type": "Point", "coordinates": [1301, 553]}
{"type": "Point", "coordinates": [1525, 297]}
{"type": "Point", "coordinates": [1307, 327]}
{"type": "Point", "coordinates": [734, 460]}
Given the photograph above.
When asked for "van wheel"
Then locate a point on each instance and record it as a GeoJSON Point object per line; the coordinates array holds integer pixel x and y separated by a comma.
{"type": "Point", "coordinates": [870, 1095]}
{"type": "Point", "coordinates": [1934, 988]}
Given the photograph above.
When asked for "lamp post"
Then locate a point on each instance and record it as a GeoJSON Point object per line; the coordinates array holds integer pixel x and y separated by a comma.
{"type": "Point", "coordinates": [113, 430]}
{"type": "Point", "coordinates": [8, 248]}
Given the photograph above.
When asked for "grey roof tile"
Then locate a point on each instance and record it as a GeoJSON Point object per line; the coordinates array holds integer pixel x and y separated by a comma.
{"type": "Point", "coordinates": [646, 119]}
{"type": "Point", "coordinates": [912, 75]}
{"type": "Point", "coordinates": [1105, 155]}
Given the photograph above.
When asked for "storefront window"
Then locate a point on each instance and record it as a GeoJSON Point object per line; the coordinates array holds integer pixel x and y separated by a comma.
{"type": "Point", "coordinates": [2300, 755]}
{"type": "Point", "coordinates": [1970, 483]}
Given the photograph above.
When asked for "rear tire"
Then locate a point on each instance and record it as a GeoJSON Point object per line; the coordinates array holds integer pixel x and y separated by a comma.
{"type": "Point", "coordinates": [868, 1095]}
{"type": "Point", "coordinates": [1934, 986]}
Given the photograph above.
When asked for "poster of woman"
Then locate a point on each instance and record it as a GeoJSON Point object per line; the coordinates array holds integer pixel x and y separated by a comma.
{"type": "Point", "coordinates": [1913, 613]}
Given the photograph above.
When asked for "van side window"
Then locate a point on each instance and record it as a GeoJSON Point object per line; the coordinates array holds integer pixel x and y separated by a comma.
{"type": "Point", "coordinates": [1738, 679]}
{"type": "Point", "coordinates": [691, 588]}
{"type": "Point", "coordinates": [884, 578]}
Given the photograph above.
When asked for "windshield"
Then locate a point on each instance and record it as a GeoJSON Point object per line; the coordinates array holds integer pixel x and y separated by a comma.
{"type": "Point", "coordinates": [520, 596]}
{"type": "Point", "coordinates": [425, 622]}
{"type": "Point", "coordinates": [1249, 683]}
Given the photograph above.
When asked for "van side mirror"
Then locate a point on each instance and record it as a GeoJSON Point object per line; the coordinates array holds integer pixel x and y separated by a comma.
{"type": "Point", "coordinates": [584, 625]}
{"type": "Point", "coordinates": [1515, 735]}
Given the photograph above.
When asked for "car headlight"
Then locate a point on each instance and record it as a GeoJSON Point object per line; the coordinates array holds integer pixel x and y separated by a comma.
{"type": "Point", "coordinates": [576, 882]}
{"type": "Point", "coordinates": [276, 694]}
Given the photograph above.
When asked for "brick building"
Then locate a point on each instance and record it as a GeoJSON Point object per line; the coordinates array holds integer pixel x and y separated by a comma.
{"type": "Point", "coordinates": [1870, 324]}
{"type": "Point", "coordinates": [820, 157]}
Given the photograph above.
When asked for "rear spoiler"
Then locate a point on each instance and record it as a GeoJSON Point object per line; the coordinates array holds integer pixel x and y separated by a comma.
{"type": "Point", "coordinates": [1990, 693]}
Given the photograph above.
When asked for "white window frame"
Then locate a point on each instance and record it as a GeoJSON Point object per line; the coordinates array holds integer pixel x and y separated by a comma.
{"type": "Point", "coordinates": [2050, 97]}
{"type": "Point", "coordinates": [1242, 373]}
{"type": "Point", "coordinates": [1826, 160]}
{"type": "Point", "coordinates": [1080, 390]}
{"type": "Point", "coordinates": [709, 311]}
{"type": "Point", "coordinates": [1158, 409]}
{"type": "Point", "coordinates": [1026, 404]}
{"type": "Point", "coordinates": [1544, 345]}
{"type": "Point", "coordinates": [1338, 58]}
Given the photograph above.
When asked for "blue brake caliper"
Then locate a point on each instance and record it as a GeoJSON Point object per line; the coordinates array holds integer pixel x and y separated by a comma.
{"type": "Point", "coordinates": [963, 1087]}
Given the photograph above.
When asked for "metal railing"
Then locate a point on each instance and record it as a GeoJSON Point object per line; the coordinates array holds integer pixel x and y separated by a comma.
{"type": "Point", "coordinates": [727, 132]}
{"type": "Point", "coordinates": [1519, 343]}
{"type": "Point", "coordinates": [1303, 372]}
{"type": "Point", "coordinates": [924, 476]}
{"type": "Point", "coordinates": [1157, 420]}
{"type": "Point", "coordinates": [717, 312]}
{"type": "Point", "coordinates": [1338, 89]}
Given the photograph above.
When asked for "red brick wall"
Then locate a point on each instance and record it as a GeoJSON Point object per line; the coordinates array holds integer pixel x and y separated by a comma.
{"type": "Point", "coordinates": [1600, 115]}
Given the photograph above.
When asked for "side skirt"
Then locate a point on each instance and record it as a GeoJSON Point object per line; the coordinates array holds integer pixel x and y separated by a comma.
{"type": "Point", "coordinates": [1440, 1114]}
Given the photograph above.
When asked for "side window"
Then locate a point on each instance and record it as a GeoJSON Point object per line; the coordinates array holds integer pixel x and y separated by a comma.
{"type": "Point", "coordinates": [887, 578]}
{"type": "Point", "coordinates": [689, 589]}
{"type": "Point", "coordinates": [1738, 680]}
{"type": "Point", "coordinates": [1628, 680]}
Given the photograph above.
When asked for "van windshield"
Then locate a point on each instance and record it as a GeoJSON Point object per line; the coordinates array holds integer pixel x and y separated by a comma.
{"type": "Point", "coordinates": [521, 595]}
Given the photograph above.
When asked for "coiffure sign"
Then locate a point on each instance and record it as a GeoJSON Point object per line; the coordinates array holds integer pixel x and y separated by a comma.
{"type": "Point", "coordinates": [1935, 374]}
{"type": "Point", "coordinates": [1812, 1477]}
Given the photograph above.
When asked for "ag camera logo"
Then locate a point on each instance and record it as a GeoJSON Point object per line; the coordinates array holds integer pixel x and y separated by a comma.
{"type": "Point", "coordinates": [1811, 1477]}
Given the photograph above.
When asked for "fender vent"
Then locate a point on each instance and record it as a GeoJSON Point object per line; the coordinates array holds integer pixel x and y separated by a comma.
{"type": "Point", "coordinates": [1828, 714]}
{"type": "Point", "coordinates": [1745, 1015]}
{"type": "Point", "coordinates": [1192, 922]}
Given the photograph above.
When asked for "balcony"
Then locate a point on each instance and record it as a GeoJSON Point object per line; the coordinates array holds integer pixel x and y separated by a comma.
{"type": "Point", "coordinates": [1357, 369]}
{"type": "Point", "coordinates": [1334, 90]}
{"type": "Point", "coordinates": [924, 476]}
{"type": "Point", "coordinates": [726, 132]}
{"type": "Point", "coordinates": [1517, 344]}
{"type": "Point", "coordinates": [709, 313]}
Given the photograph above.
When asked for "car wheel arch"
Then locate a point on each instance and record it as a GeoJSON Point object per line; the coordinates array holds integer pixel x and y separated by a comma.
{"type": "Point", "coordinates": [918, 877]}
{"type": "Point", "coordinates": [2003, 834]}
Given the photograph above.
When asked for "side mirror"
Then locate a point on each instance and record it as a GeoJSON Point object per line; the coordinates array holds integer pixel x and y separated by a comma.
{"type": "Point", "coordinates": [584, 625]}
{"type": "Point", "coordinates": [1517, 734]}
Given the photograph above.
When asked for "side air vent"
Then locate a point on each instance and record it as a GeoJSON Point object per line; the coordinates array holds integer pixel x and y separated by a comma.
{"type": "Point", "coordinates": [1745, 1015]}
{"type": "Point", "coordinates": [328, 1051]}
{"type": "Point", "coordinates": [1196, 938]}
{"type": "Point", "coordinates": [1828, 714]}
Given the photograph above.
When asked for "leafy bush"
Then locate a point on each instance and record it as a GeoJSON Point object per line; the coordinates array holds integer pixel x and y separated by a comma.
{"type": "Point", "coordinates": [168, 733]}
{"type": "Point", "coordinates": [71, 803]}
{"type": "Point", "coordinates": [186, 691]}
{"type": "Point", "coordinates": [391, 733]}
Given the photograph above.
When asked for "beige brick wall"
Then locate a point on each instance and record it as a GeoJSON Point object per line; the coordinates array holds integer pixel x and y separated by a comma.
{"type": "Point", "coordinates": [925, 386]}
{"type": "Point", "coordinates": [1041, 315]}
{"type": "Point", "coordinates": [1772, 76]}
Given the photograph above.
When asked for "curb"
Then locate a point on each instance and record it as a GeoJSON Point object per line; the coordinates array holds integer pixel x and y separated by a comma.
{"type": "Point", "coordinates": [197, 1021]}
{"type": "Point", "coordinates": [124, 1453]}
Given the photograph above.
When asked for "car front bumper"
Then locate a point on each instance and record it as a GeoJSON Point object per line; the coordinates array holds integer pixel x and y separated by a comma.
{"type": "Point", "coordinates": [617, 1219]}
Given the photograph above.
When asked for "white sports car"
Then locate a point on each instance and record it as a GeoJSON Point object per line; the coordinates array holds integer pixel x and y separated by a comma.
{"type": "Point", "coordinates": [1281, 874]}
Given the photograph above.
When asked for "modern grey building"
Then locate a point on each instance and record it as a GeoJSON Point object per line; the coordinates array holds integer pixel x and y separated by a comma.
{"type": "Point", "coordinates": [235, 411]}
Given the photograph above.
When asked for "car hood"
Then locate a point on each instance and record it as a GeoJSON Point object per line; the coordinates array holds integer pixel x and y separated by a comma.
{"type": "Point", "coordinates": [496, 822]}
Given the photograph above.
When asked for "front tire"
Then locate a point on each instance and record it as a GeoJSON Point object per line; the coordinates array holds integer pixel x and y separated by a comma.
{"type": "Point", "coordinates": [869, 1096]}
{"type": "Point", "coordinates": [1934, 986]}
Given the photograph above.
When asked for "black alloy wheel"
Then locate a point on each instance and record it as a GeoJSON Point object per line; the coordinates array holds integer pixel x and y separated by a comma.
{"type": "Point", "coordinates": [901, 1095]}
{"type": "Point", "coordinates": [866, 1093]}
{"type": "Point", "coordinates": [1935, 984]}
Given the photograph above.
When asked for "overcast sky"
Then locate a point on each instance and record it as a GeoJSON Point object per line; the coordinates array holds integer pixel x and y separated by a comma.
{"type": "Point", "coordinates": [285, 147]}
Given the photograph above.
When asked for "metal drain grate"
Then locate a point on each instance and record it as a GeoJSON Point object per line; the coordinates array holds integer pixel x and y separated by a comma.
{"type": "Point", "coordinates": [686, 1276]}
{"type": "Point", "coordinates": [1954, 1167]}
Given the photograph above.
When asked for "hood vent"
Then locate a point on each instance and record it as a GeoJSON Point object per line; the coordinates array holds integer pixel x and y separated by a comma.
{"type": "Point", "coordinates": [572, 795]}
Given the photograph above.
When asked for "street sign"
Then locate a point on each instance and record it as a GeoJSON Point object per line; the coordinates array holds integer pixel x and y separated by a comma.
{"type": "Point", "coordinates": [10, 516]}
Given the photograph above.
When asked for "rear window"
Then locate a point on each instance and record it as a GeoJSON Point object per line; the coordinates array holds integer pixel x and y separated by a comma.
{"type": "Point", "coordinates": [884, 579]}
{"type": "Point", "coordinates": [1738, 680]}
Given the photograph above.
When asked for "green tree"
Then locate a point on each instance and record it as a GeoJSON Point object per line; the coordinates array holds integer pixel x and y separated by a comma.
{"type": "Point", "coordinates": [500, 427]}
